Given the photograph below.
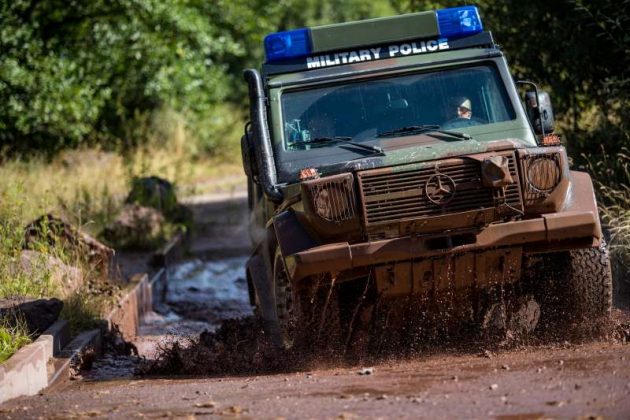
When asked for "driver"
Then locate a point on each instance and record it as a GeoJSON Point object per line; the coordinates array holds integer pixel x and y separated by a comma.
{"type": "Point", "coordinates": [463, 115]}
{"type": "Point", "coordinates": [464, 108]}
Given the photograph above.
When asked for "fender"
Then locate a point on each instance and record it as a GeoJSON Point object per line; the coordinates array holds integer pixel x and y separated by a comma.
{"type": "Point", "coordinates": [291, 236]}
{"type": "Point", "coordinates": [581, 197]}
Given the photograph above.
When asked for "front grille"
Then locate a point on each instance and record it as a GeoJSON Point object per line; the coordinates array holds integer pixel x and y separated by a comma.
{"type": "Point", "coordinates": [394, 194]}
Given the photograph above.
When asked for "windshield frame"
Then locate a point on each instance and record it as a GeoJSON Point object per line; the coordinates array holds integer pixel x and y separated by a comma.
{"type": "Point", "coordinates": [517, 128]}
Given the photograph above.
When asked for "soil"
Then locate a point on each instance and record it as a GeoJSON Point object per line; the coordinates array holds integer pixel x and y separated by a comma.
{"type": "Point", "coordinates": [206, 356]}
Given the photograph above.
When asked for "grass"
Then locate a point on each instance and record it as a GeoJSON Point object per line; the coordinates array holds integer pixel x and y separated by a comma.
{"type": "Point", "coordinates": [87, 187]}
{"type": "Point", "coordinates": [12, 338]}
{"type": "Point", "coordinates": [612, 182]}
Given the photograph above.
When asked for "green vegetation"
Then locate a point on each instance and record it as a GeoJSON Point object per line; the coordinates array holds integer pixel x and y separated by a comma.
{"type": "Point", "coordinates": [12, 338]}
{"type": "Point", "coordinates": [613, 190]}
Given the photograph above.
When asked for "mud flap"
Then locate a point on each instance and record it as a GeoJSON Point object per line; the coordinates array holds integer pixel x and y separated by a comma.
{"type": "Point", "coordinates": [265, 295]}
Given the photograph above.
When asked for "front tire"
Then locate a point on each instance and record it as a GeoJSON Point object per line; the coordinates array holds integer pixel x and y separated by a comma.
{"type": "Point", "coordinates": [285, 304]}
{"type": "Point", "coordinates": [574, 289]}
{"type": "Point", "coordinates": [592, 279]}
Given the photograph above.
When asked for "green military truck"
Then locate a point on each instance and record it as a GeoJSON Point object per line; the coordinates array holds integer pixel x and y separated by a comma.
{"type": "Point", "coordinates": [395, 158]}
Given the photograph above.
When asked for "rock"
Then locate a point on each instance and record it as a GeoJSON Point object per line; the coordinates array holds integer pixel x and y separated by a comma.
{"type": "Point", "coordinates": [50, 231]}
{"type": "Point", "coordinates": [135, 225]}
{"type": "Point", "coordinates": [494, 387]}
{"type": "Point", "coordinates": [366, 371]}
{"type": "Point", "coordinates": [43, 267]}
{"type": "Point", "coordinates": [38, 314]}
{"type": "Point", "coordinates": [487, 354]}
{"type": "Point", "coordinates": [153, 192]}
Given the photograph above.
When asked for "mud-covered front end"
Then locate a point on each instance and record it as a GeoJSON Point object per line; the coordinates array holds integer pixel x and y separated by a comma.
{"type": "Point", "coordinates": [453, 222]}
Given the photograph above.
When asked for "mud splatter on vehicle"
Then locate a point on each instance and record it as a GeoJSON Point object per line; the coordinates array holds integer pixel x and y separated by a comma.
{"type": "Point", "coordinates": [398, 181]}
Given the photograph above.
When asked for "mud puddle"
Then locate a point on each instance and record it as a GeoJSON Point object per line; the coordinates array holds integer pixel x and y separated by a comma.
{"type": "Point", "coordinates": [201, 295]}
{"type": "Point", "coordinates": [206, 327]}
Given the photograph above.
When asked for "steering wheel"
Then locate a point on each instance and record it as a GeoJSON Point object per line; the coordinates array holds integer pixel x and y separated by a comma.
{"type": "Point", "coordinates": [460, 122]}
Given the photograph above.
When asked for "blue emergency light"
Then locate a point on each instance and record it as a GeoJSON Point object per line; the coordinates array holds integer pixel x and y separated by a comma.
{"type": "Point", "coordinates": [458, 21]}
{"type": "Point", "coordinates": [288, 44]}
{"type": "Point", "coordinates": [449, 23]}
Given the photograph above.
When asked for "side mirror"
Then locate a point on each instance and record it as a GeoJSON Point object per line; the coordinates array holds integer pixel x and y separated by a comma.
{"type": "Point", "coordinates": [540, 112]}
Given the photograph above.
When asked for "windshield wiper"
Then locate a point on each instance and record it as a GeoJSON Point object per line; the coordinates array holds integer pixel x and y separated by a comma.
{"type": "Point", "coordinates": [423, 129]}
{"type": "Point", "coordinates": [347, 140]}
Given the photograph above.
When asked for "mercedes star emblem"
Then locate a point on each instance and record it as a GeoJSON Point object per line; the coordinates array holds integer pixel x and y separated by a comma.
{"type": "Point", "coordinates": [440, 189]}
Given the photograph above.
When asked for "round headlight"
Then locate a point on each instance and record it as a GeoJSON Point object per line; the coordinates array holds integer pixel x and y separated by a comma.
{"type": "Point", "coordinates": [543, 173]}
{"type": "Point", "coordinates": [331, 203]}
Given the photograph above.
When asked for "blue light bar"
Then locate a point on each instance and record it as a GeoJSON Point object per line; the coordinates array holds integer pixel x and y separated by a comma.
{"type": "Point", "coordinates": [458, 21]}
{"type": "Point", "coordinates": [288, 44]}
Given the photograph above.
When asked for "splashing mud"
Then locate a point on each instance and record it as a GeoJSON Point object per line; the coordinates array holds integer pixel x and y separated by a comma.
{"type": "Point", "coordinates": [206, 325]}
{"type": "Point", "coordinates": [371, 329]}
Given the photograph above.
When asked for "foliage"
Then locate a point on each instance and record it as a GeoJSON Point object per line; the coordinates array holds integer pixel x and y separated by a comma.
{"type": "Point", "coordinates": [12, 338]}
{"type": "Point", "coordinates": [613, 191]}
{"type": "Point", "coordinates": [579, 51]}
{"type": "Point", "coordinates": [76, 71]}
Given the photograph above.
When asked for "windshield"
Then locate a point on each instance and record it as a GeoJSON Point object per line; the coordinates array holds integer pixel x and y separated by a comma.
{"type": "Point", "coordinates": [450, 99]}
{"type": "Point", "coordinates": [453, 99]}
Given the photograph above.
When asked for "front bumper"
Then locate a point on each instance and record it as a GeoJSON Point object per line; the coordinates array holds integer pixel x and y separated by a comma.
{"type": "Point", "coordinates": [546, 233]}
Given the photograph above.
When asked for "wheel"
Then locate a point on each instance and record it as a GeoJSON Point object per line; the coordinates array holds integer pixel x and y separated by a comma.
{"type": "Point", "coordinates": [574, 288]}
{"type": "Point", "coordinates": [308, 316]}
{"type": "Point", "coordinates": [591, 280]}
{"type": "Point", "coordinates": [285, 307]}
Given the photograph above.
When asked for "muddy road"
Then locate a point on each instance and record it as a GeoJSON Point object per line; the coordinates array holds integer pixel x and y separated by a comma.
{"type": "Point", "coordinates": [558, 381]}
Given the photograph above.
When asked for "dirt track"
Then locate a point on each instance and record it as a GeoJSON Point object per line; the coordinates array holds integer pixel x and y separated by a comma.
{"type": "Point", "coordinates": [561, 381]}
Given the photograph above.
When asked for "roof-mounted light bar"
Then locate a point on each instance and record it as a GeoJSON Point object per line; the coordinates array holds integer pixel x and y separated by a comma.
{"type": "Point", "coordinates": [446, 23]}
{"type": "Point", "coordinates": [458, 21]}
{"type": "Point", "coordinates": [288, 44]}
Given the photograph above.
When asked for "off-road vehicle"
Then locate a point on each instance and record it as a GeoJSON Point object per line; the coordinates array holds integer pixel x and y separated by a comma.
{"type": "Point", "coordinates": [396, 160]}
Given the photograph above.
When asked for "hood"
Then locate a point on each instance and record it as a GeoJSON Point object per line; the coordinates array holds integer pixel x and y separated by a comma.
{"type": "Point", "coordinates": [408, 151]}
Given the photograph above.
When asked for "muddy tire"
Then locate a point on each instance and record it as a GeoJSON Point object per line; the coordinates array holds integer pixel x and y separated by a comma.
{"type": "Point", "coordinates": [574, 289]}
{"type": "Point", "coordinates": [592, 280]}
{"type": "Point", "coordinates": [285, 307]}
{"type": "Point", "coordinates": [308, 317]}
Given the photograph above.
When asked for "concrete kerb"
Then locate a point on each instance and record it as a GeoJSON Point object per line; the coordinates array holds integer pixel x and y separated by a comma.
{"type": "Point", "coordinates": [71, 358]}
{"type": "Point", "coordinates": [135, 305]}
{"type": "Point", "coordinates": [172, 251]}
{"type": "Point", "coordinates": [27, 371]}
{"type": "Point", "coordinates": [43, 363]}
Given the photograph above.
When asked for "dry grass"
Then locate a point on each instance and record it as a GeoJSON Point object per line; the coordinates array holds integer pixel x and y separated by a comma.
{"type": "Point", "coordinates": [87, 187]}
{"type": "Point", "coordinates": [612, 183]}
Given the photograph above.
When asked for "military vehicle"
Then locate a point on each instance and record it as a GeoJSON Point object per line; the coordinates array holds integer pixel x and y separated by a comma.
{"type": "Point", "coordinates": [397, 157]}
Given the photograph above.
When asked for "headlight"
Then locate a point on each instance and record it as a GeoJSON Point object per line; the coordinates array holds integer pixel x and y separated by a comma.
{"type": "Point", "coordinates": [544, 179]}
{"type": "Point", "coordinates": [332, 198]}
{"type": "Point", "coordinates": [543, 173]}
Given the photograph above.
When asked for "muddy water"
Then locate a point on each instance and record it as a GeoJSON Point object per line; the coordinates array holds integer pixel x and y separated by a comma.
{"type": "Point", "coordinates": [201, 295]}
